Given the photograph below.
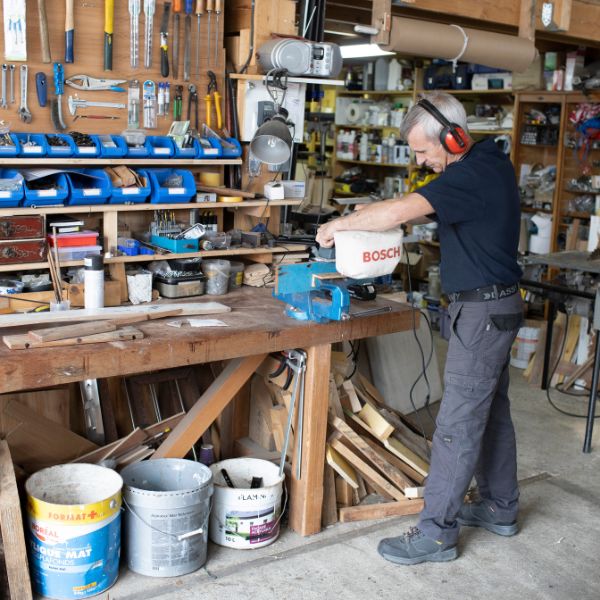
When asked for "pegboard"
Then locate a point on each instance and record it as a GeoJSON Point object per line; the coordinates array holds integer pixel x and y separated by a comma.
{"type": "Point", "coordinates": [89, 60]}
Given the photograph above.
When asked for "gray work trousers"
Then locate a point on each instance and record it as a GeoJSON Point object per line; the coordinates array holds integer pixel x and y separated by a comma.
{"type": "Point", "coordinates": [474, 431]}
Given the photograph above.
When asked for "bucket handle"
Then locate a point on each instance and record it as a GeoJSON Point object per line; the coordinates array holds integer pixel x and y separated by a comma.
{"type": "Point", "coordinates": [182, 536]}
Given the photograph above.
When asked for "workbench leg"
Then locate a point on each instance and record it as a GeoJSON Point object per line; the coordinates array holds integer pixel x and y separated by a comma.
{"type": "Point", "coordinates": [306, 496]}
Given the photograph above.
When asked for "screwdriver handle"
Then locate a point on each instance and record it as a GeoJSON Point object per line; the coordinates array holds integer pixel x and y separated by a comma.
{"type": "Point", "coordinates": [209, 5]}
{"type": "Point", "coordinates": [109, 18]}
{"type": "Point", "coordinates": [189, 7]}
{"type": "Point", "coordinates": [176, 6]}
{"type": "Point", "coordinates": [218, 6]}
{"type": "Point", "coordinates": [199, 7]}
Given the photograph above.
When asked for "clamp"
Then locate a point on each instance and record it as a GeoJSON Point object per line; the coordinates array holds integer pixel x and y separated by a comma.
{"type": "Point", "coordinates": [87, 83]}
{"type": "Point", "coordinates": [212, 89]}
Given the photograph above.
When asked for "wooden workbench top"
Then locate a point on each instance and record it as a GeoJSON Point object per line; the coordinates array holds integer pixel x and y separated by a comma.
{"type": "Point", "coordinates": [256, 324]}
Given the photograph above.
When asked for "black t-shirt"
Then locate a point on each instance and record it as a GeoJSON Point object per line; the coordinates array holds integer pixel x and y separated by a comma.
{"type": "Point", "coordinates": [477, 206]}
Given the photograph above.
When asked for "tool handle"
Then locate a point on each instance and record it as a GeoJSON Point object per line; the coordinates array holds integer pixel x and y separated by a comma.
{"type": "Point", "coordinates": [218, 110]}
{"type": "Point", "coordinates": [207, 103]}
{"type": "Point", "coordinates": [164, 59]}
{"type": "Point", "coordinates": [199, 7]}
{"type": "Point", "coordinates": [176, 6]}
{"type": "Point", "coordinates": [69, 32]}
{"type": "Point", "coordinates": [41, 88]}
{"type": "Point", "coordinates": [189, 7]}
{"type": "Point", "coordinates": [218, 6]}
{"type": "Point", "coordinates": [109, 19]}
{"type": "Point", "coordinates": [44, 40]}
{"type": "Point", "coordinates": [59, 79]}
{"type": "Point", "coordinates": [209, 5]}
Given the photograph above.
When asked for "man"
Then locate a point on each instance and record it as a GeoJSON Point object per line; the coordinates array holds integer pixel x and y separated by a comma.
{"type": "Point", "coordinates": [475, 201]}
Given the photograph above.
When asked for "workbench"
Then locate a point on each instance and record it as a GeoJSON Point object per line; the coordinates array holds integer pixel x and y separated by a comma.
{"type": "Point", "coordinates": [257, 326]}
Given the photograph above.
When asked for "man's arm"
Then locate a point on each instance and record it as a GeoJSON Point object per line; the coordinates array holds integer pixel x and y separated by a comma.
{"type": "Point", "coordinates": [379, 216]}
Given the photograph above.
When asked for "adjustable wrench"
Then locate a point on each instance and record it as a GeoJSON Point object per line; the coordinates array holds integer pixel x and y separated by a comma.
{"type": "Point", "coordinates": [3, 103]}
{"type": "Point", "coordinates": [12, 83]}
{"type": "Point", "coordinates": [23, 111]}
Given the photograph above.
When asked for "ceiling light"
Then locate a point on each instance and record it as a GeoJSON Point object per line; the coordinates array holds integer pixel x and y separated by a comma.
{"type": "Point", "coordinates": [363, 51]}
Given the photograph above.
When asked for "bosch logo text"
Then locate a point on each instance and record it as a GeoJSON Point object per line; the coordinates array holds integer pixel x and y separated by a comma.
{"type": "Point", "coordinates": [383, 254]}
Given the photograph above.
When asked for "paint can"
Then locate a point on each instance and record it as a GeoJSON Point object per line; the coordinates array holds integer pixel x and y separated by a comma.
{"type": "Point", "coordinates": [243, 517]}
{"type": "Point", "coordinates": [74, 530]}
{"type": "Point", "coordinates": [524, 346]}
{"type": "Point", "coordinates": [167, 506]}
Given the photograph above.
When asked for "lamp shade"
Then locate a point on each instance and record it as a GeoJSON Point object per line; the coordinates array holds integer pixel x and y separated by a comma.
{"type": "Point", "coordinates": [272, 142]}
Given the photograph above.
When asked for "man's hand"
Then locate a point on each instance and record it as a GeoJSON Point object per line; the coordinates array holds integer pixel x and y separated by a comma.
{"type": "Point", "coordinates": [325, 234]}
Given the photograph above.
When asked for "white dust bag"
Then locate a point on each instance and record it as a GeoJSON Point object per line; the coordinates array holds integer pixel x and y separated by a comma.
{"type": "Point", "coordinates": [366, 254]}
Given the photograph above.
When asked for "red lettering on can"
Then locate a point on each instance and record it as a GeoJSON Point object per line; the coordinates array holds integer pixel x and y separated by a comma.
{"type": "Point", "coordinates": [383, 254]}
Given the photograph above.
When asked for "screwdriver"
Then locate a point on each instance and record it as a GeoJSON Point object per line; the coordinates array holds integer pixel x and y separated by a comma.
{"type": "Point", "coordinates": [175, 56]}
{"type": "Point", "coordinates": [209, 9]}
{"type": "Point", "coordinates": [134, 27]}
{"type": "Point", "coordinates": [218, 6]}
{"type": "Point", "coordinates": [187, 50]}
{"type": "Point", "coordinates": [199, 13]}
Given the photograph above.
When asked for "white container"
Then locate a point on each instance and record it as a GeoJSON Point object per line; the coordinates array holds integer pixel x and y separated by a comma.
{"type": "Point", "coordinates": [524, 346]}
{"type": "Point", "coordinates": [93, 280]}
{"type": "Point", "coordinates": [242, 517]}
{"type": "Point", "coordinates": [394, 73]}
{"type": "Point", "coordinates": [167, 503]}
{"type": "Point", "coordinates": [381, 74]}
{"type": "Point", "coordinates": [217, 276]}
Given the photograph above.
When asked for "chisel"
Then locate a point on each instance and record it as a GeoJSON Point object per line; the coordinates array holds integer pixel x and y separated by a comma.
{"type": "Point", "coordinates": [69, 32]}
{"type": "Point", "coordinates": [187, 39]}
{"type": "Point", "coordinates": [199, 13]}
{"type": "Point", "coordinates": [209, 9]}
{"type": "Point", "coordinates": [164, 40]}
{"type": "Point", "coordinates": [44, 41]}
{"type": "Point", "coordinates": [175, 56]}
{"type": "Point", "coordinates": [109, 19]}
{"type": "Point", "coordinates": [218, 6]}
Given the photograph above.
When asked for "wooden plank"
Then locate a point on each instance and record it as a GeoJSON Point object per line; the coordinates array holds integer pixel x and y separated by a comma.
{"type": "Point", "coordinates": [329, 516]}
{"type": "Point", "coordinates": [208, 407]}
{"type": "Point", "coordinates": [260, 427]}
{"type": "Point", "coordinates": [367, 512]}
{"type": "Point", "coordinates": [248, 447]}
{"type": "Point", "coordinates": [409, 457]}
{"type": "Point", "coordinates": [389, 470]}
{"type": "Point", "coordinates": [335, 407]}
{"type": "Point", "coordinates": [11, 522]}
{"type": "Point", "coordinates": [381, 428]}
{"type": "Point", "coordinates": [24, 341]}
{"type": "Point", "coordinates": [394, 460]}
{"type": "Point", "coordinates": [341, 466]}
{"type": "Point", "coordinates": [355, 404]}
{"type": "Point", "coordinates": [117, 273]}
{"type": "Point", "coordinates": [343, 492]}
{"type": "Point", "coordinates": [374, 478]}
{"type": "Point", "coordinates": [279, 416]}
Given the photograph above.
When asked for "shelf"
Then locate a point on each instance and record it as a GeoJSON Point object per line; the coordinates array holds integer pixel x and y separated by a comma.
{"type": "Point", "coordinates": [469, 92]}
{"type": "Point", "coordinates": [151, 257]}
{"type": "Point", "coordinates": [531, 209]}
{"type": "Point", "coordinates": [376, 93]}
{"type": "Point", "coordinates": [106, 208]}
{"type": "Point", "coordinates": [365, 126]}
{"type": "Point", "coordinates": [371, 164]}
{"type": "Point", "coordinates": [490, 131]}
{"type": "Point", "coordinates": [130, 162]}
{"type": "Point", "coordinates": [313, 80]}
{"type": "Point", "coordinates": [575, 215]}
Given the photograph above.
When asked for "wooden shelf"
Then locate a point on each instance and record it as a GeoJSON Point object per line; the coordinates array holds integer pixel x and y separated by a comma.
{"type": "Point", "coordinates": [363, 126]}
{"type": "Point", "coordinates": [531, 209]}
{"type": "Point", "coordinates": [469, 92]}
{"type": "Point", "coordinates": [371, 164]}
{"type": "Point", "coordinates": [376, 93]}
{"type": "Point", "coordinates": [131, 162]}
{"type": "Point", "coordinates": [490, 131]}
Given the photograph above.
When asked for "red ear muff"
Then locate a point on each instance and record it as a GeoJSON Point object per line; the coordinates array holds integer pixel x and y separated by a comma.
{"type": "Point", "coordinates": [453, 137]}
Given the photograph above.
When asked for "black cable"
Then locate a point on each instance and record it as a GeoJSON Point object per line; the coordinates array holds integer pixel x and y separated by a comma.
{"type": "Point", "coordinates": [554, 406]}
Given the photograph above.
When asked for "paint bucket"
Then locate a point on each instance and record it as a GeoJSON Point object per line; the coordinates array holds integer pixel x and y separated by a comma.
{"type": "Point", "coordinates": [524, 346]}
{"type": "Point", "coordinates": [243, 517]}
{"type": "Point", "coordinates": [167, 504]}
{"type": "Point", "coordinates": [74, 523]}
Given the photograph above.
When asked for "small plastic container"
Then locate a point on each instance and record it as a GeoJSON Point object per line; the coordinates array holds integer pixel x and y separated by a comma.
{"type": "Point", "coordinates": [9, 197]}
{"type": "Point", "coordinates": [191, 152]}
{"type": "Point", "coordinates": [54, 190]}
{"type": "Point", "coordinates": [90, 151]}
{"type": "Point", "coordinates": [10, 149]}
{"type": "Point", "coordinates": [39, 149]}
{"type": "Point", "coordinates": [131, 195]}
{"type": "Point", "coordinates": [89, 186]}
{"type": "Point", "coordinates": [11, 286]}
{"type": "Point", "coordinates": [68, 240]}
{"type": "Point", "coordinates": [236, 274]}
{"type": "Point", "coordinates": [229, 152]}
{"type": "Point", "coordinates": [79, 252]}
{"type": "Point", "coordinates": [58, 151]}
{"type": "Point", "coordinates": [217, 276]}
{"type": "Point", "coordinates": [160, 146]}
{"type": "Point", "coordinates": [210, 148]}
{"type": "Point", "coordinates": [117, 148]}
{"type": "Point", "coordinates": [128, 246]}
{"type": "Point", "coordinates": [165, 195]}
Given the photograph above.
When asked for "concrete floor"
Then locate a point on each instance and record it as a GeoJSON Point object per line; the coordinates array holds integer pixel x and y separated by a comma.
{"type": "Point", "coordinates": [555, 556]}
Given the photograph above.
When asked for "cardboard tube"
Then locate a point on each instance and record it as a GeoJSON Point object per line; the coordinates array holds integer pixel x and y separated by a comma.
{"type": "Point", "coordinates": [436, 40]}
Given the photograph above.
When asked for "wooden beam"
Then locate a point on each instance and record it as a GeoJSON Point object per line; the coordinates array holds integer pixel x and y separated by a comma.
{"type": "Point", "coordinates": [379, 511]}
{"type": "Point", "coordinates": [376, 422]}
{"type": "Point", "coordinates": [408, 456]}
{"type": "Point", "coordinates": [330, 515]}
{"type": "Point", "coordinates": [341, 466]}
{"type": "Point", "coordinates": [394, 460]}
{"type": "Point", "coordinates": [11, 521]}
{"type": "Point", "coordinates": [355, 404]}
{"type": "Point", "coordinates": [208, 406]}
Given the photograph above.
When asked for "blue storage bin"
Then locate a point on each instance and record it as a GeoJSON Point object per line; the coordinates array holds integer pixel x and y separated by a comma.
{"type": "Point", "coordinates": [89, 186]}
{"type": "Point", "coordinates": [231, 152]}
{"type": "Point", "coordinates": [191, 152]}
{"type": "Point", "coordinates": [215, 150]}
{"type": "Point", "coordinates": [138, 151]}
{"type": "Point", "coordinates": [160, 146]}
{"type": "Point", "coordinates": [118, 151]}
{"type": "Point", "coordinates": [8, 150]}
{"type": "Point", "coordinates": [39, 149]}
{"type": "Point", "coordinates": [88, 151]}
{"type": "Point", "coordinates": [55, 151]}
{"type": "Point", "coordinates": [10, 198]}
{"type": "Point", "coordinates": [55, 191]}
{"type": "Point", "coordinates": [132, 194]}
{"type": "Point", "coordinates": [164, 195]}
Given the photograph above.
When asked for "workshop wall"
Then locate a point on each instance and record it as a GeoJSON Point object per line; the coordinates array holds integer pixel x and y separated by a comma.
{"type": "Point", "coordinates": [88, 60]}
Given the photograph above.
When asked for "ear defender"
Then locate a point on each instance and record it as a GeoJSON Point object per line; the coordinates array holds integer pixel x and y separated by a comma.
{"type": "Point", "coordinates": [453, 137]}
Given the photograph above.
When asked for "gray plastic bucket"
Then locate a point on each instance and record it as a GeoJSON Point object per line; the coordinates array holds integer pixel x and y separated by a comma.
{"type": "Point", "coordinates": [167, 504]}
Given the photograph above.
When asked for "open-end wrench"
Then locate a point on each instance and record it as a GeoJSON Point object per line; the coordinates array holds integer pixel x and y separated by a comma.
{"type": "Point", "coordinates": [23, 111]}
{"type": "Point", "coordinates": [3, 103]}
{"type": "Point", "coordinates": [11, 70]}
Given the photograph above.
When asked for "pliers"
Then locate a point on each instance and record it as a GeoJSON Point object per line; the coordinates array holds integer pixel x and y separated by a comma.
{"type": "Point", "coordinates": [212, 89]}
{"type": "Point", "coordinates": [88, 83]}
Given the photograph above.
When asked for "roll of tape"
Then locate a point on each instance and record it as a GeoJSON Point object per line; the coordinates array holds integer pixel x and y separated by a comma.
{"type": "Point", "coordinates": [229, 199]}
{"type": "Point", "coordinates": [355, 112]}
{"type": "Point", "coordinates": [211, 179]}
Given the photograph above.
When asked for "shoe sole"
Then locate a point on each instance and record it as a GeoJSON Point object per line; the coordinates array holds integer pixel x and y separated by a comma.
{"type": "Point", "coordinates": [504, 530]}
{"type": "Point", "coordinates": [443, 556]}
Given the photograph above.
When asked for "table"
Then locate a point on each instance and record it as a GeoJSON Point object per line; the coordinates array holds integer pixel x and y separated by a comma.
{"type": "Point", "coordinates": [575, 261]}
{"type": "Point", "coordinates": [257, 326]}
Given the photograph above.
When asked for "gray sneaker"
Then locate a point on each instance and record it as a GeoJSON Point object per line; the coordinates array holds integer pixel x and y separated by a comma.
{"type": "Point", "coordinates": [479, 514]}
{"type": "Point", "coordinates": [415, 547]}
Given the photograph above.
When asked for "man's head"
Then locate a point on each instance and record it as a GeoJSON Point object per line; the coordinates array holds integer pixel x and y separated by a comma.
{"type": "Point", "coordinates": [422, 129]}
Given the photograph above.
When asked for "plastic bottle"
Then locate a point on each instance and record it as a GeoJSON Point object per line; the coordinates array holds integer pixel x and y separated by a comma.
{"type": "Point", "coordinates": [364, 147]}
{"type": "Point", "coordinates": [381, 74]}
{"type": "Point", "coordinates": [93, 281]}
{"type": "Point", "coordinates": [394, 73]}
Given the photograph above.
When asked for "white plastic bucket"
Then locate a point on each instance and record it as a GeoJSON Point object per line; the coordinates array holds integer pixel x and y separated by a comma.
{"type": "Point", "coordinates": [242, 517]}
{"type": "Point", "coordinates": [74, 523]}
{"type": "Point", "coordinates": [167, 504]}
{"type": "Point", "coordinates": [217, 276]}
{"type": "Point", "coordinates": [524, 346]}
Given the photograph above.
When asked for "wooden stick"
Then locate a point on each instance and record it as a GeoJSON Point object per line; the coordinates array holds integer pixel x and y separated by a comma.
{"type": "Point", "coordinates": [379, 511]}
{"type": "Point", "coordinates": [55, 284]}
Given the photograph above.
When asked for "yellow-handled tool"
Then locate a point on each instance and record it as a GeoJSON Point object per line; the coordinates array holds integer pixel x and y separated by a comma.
{"type": "Point", "coordinates": [109, 21]}
{"type": "Point", "coordinates": [212, 89]}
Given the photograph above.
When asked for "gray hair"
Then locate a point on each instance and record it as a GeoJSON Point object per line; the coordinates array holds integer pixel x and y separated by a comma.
{"type": "Point", "coordinates": [448, 105]}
